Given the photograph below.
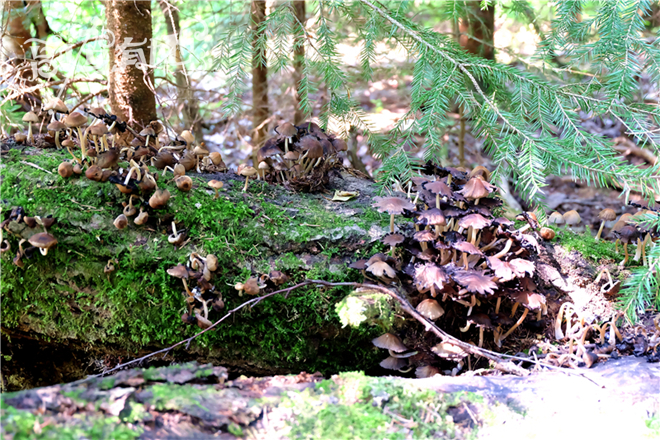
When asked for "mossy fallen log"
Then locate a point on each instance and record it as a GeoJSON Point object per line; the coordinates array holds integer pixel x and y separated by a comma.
{"type": "Point", "coordinates": [64, 302]}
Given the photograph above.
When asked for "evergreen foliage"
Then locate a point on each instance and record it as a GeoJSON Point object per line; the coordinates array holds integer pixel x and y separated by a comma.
{"type": "Point", "coordinates": [527, 118]}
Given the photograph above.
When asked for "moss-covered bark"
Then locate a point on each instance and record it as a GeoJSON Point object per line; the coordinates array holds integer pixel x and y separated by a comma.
{"type": "Point", "coordinates": [65, 299]}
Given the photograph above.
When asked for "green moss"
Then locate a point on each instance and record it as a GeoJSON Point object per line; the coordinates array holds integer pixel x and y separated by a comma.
{"type": "Point", "coordinates": [354, 406]}
{"type": "Point", "coordinates": [66, 295]}
{"type": "Point", "coordinates": [595, 251]}
{"type": "Point", "coordinates": [19, 425]}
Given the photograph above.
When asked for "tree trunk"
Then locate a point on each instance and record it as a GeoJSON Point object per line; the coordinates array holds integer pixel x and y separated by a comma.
{"type": "Point", "coordinates": [298, 56]}
{"type": "Point", "coordinates": [480, 24]}
{"type": "Point", "coordinates": [130, 80]}
{"type": "Point", "coordinates": [259, 77]}
{"type": "Point", "coordinates": [16, 51]}
{"type": "Point", "coordinates": [186, 100]}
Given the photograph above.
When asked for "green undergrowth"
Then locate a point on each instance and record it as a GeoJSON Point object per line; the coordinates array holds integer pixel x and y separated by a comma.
{"type": "Point", "coordinates": [354, 406]}
{"type": "Point", "coordinates": [66, 295]}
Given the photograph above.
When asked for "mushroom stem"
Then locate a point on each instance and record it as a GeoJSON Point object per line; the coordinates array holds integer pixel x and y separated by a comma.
{"type": "Point", "coordinates": [616, 246]}
{"type": "Point", "coordinates": [600, 230]}
{"type": "Point", "coordinates": [185, 284]}
{"type": "Point", "coordinates": [30, 137]}
{"type": "Point", "coordinates": [466, 328]}
{"type": "Point", "coordinates": [514, 308]}
{"type": "Point", "coordinates": [497, 304]}
{"type": "Point", "coordinates": [506, 249]}
{"type": "Point", "coordinates": [481, 336]}
{"type": "Point", "coordinates": [392, 223]}
{"type": "Point", "coordinates": [437, 200]}
{"type": "Point", "coordinates": [247, 179]}
{"type": "Point", "coordinates": [57, 139]}
{"type": "Point", "coordinates": [286, 145]}
{"type": "Point", "coordinates": [516, 325]}
{"type": "Point", "coordinates": [82, 142]}
{"type": "Point", "coordinates": [73, 155]}
{"type": "Point", "coordinates": [465, 261]}
{"type": "Point", "coordinates": [625, 249]}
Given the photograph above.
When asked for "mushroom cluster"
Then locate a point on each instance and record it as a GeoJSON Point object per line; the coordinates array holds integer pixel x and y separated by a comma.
{"type": "Point", "coordinates": [299, 157]}
{"type": "Point", "coordinates": [17, 223]}
{"type": "Point", "coordinates": [457, 262]}
{"type": "Point", "coordinates": [200, 295]}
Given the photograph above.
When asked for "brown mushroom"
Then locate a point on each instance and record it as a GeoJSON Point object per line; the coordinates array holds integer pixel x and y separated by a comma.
{"type": "Point", "coordinates": [547, 234]}
{"type": "Point", "coordinates": [432, 217]}
{"type": "Point", "coordinates": [572, 218]}
{"type": "Point", "coordinates": [44, 241]}
{"type": "Point", "coordinates": [216, 185]}
{"type": "Point", "coordinates": [247, 171]}
{"type": "Point", "coordinates": [77, 120]}
{"type": "Point", "coordinates": [184, 183]}
{"type": "Point", "coordinates": [482, 321]}
{"type": "Point", "coordinates": [176, 237]}
{"type": "Point", "coordinates": [390, 342]}
{"type": "Point", "coordinates": [65, 169]}
{"type": "Point", "coordinates": [94, 173]}
{"type": "Point", "coordinates": [56, 126]}
{"type": "Point", "coordinates": [30, 118]}
{"type": "Point", "coordinates": [181, 272]}
{"type": "Point", "coordinates": [288, 131]}
{"type": "Point", "coordinates": [627, 234]}
{"type": "Point", "coordinates": [477, 189]}
{"type": "Point", "coordinates": [159, 198]}
{"type": "Point", "coordinates": [430, 309]}
{"type": "Point", "coordinates": [142, 218]}
{"type": "Point", "coordinates": [393, 205]}
{"type": "Point", "coordinates": [439, 188]}
{"type": "Point", "coordinates": [120, 222]}
{"type": "Point", "coordinates": [429, 276]}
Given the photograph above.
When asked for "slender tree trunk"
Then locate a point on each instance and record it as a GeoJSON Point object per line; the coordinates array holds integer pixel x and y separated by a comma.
{"type": "Point", "coordinates": [481, 25]}
{"type": "Point", "coordinates": [298, 56]}
{"type": "Point", "coordinates": [130, 80]}
{"type": "Point", "coordinates": [259, 76]}
{"type": "Point", "coordinates": [186, 100]}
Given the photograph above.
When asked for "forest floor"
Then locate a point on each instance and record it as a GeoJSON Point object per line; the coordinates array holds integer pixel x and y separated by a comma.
{"type": "Point", "coordinates": [617, 399]}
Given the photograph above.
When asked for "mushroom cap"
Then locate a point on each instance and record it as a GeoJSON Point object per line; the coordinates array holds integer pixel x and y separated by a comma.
{"type": "Point", "coordinates": [178, 271]}
{"type": "Point", "coordinates": [392, 239]}
{"type": "Point", "coordinates": [480, 320]}
{"type": "Point", "coordinates": [98, 129]}
{"type": "Point", "coordinates": [476, 188]}
{"type": "Point", "coordinates": [148, 131]}
{"type": "Point", "coordinates": [532, 301]}
{"type": "Point", "coordinates": [56, 126]}
{"type": "Point", "coordinates": [476, 221]}
{"type": "Point", "coordinates": [30, 117]}
{"type": "Point", "coordinates": [43, 240]}
{"type": "Point", "coordinates": [393, 363]}
{"type": "Point", "coordinates": [286, 129]}
{"type": "Point", "coordinates": [556, 219]}
{"type": "Point", "coordinates": [120, 222]}
{"type": "Point", "coordinates": [212, 262]}
{"type": "Point", "coordinates": [248, 171]}
{"type": "Point", "coordinates": [572, 218]}
{"type": "Point", "coordinates": [359, 264]}
{"type": "Point", "coordinates": [20, 137]}
{"type": "Point", "coordinates": [467, 247]}
{"type": "Point", "coordinates": [97, 111]}
{"type": "Point", "coordinates": [57, 105]}
{"type": "Point", "coordinates": [607, 214]}
{"type": "Point", "coordinates": [292, 155]}
{"type": "Point", "coordinates": [474, 281]}
{"type": "Point", "coordinates": [308, 142]}
{"type": "Point", "coordinates": [382, 270]}
{"type": "Point", "coordinates": [216, 158]}
{"type": "Point", "coordinates": [339, 145]}
{"type": "Point", "coordinates": [438, 187]}
{"type": "Point", "coordinates": [216, 184]}
{"type": "Point", "coordinates": [389, 341]}
{"type": "Point", "coordinates": [315, 151]}
{"type": "Point", "coordinates": [184, 183]}
{"type": "Point", "coordinates": [65, 169]}
{"type": "Point", "coordinates": [251, 286]}
{"type": "Point", "coordinates": [501, 319]}
{"type": "Point", "coordinates": [448, 350]}
{"type": "Point", "coordinates": [187, 136]}
{"type": "Point", "coordinates": [75, 119]}
{"type": "Point", "coordinates": [424, 235]}
{"type": "Point", "coordinates": [159, 198]}
{"type": "Point", "coordinates": [430, 309]}
{"type": "Point", "coordinates": [201, 150]}
{"type": "Point", "coordinates": [263, 166]}
{"type": "Point", "coordinates": [393, 205]}
{"type": "Point", "coordinates": [627, 234]}
{"type": "Point", "coordinates": [547, 233]}
{"type": "Point", "coordinates": [433, 216]}
{"type": "Point", "coordinates": [480, 171]}
{"type": "Point", "coordinates": [506, 271]}
{"type": "Point", "coordinates": [429, 274]}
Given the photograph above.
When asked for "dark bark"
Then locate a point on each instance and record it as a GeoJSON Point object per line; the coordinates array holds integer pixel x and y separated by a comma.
{"type": "Point", "coordinates": [479, 24]}
{"type": "Point", "coordinates": [298, 56]}
{"type": "Point", "coordinates": [185, 99]}
{"type": "Point", "coordinates": [130, 80]}
{"type": "Point", "coordinates": [259, 76]}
